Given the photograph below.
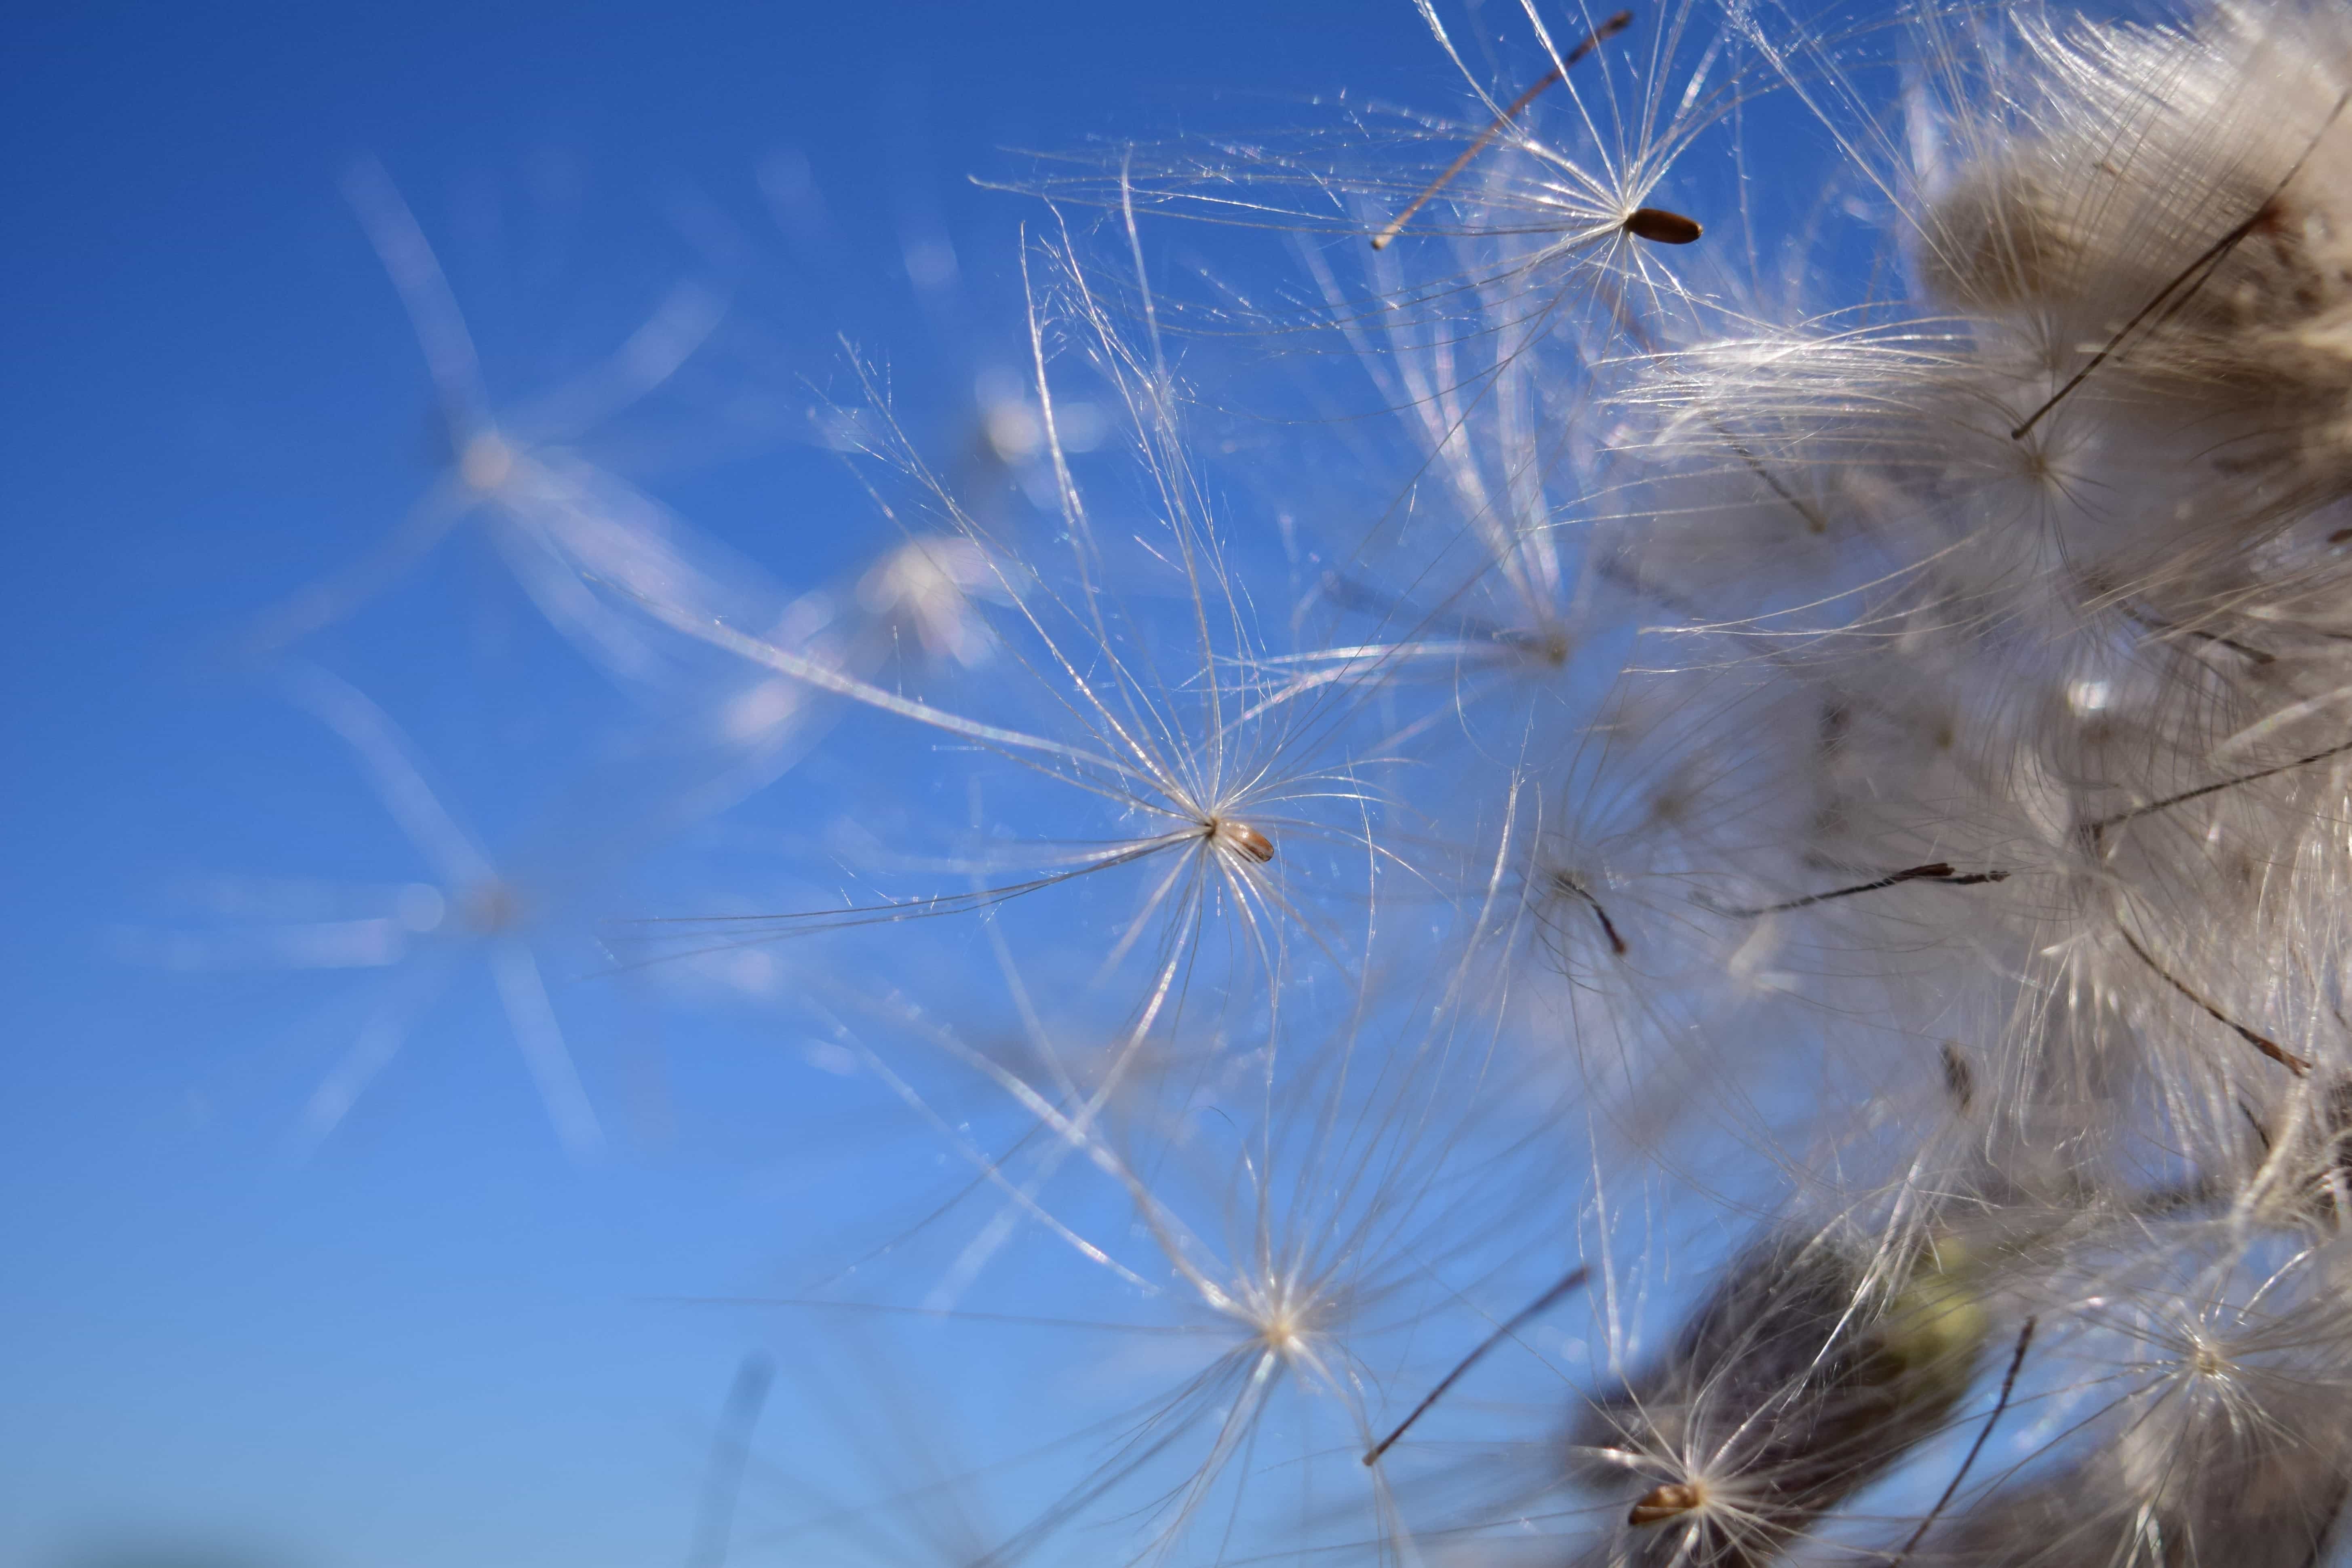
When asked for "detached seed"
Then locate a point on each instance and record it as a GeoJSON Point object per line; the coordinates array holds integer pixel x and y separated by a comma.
{"type": "Point", "coordinates": [1660, 1504]}
{"type": "Point", "coordinates": [1660, 227]}
{"type": "Point", "coordinates": [1241, 836]}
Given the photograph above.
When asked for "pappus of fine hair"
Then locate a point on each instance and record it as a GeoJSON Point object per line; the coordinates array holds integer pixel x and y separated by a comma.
{"type": "Point", "coordinates": [2209, 150]}
{"type": "Point", "coordinates": [1889, 546]}
{"type": "Point", "coordinates": [1626, 967]}
{"type": "Point", "coordinates": [2091, 790]}
{"type": "Point", "coordinates": [1299, 1217]}
{"type": "Point", "coordinates": [1821, 1388]}
{"type": "Point", "coordinates": [521, 921]}
{"type": "Point", "coordinates": [1474, 544]}
{"type": "Point", "coordinates": [1354, 1228]}
{"type": "Point", "coordinates": [1126, 693]}
{"type": "Point", "coordinates": [1699, 972]}
{"type": "Point", "coordinates": [1883, 762]}
{"type": "Point", "coordinates": [1904, 412]}
{"type": "Point", "coordinates": [2077, 962]}
{"type": "Point", "coordinates": [1623, 97]}
{"type": "Point", "coordinates": [2186, 1405]}
{"type": "Point", "coordinates": [1918, 427]}
{"type": "Point", "coordinates": [1298, 1240]}
{"type": "Point", "coordinates": [583, 543]}
{"type": "Point", "coordinates": [1480, 576]}
{"type": "Point", "coordinates": [1733, 1379]}
{"type": "Point", "coordinates": [1490, 375]}
{"type": "Point", "coordinates": [1965, 759]}
{"type": "Point", "coordinates": [1612, 343]}
{"type": "Point", "coordinates": [2187, 1387]}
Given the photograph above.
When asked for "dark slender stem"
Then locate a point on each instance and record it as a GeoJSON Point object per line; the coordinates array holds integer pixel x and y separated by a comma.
{"type": "Point", "coordinates": [2094, 831]}
{"type": "Point", "coordinates": [1608, 927]}
{"type": "Point", "coordinates": [2208, 262]}
{"type": "Point", "coordinates": [2263, 1043]}
{"type": "Point", "coordinates": [730, 1450]}
{"type": "Point", "coordinates": [2164, 629]}
{"type": "Point", "coordinates": [1960, 1077]}
{"type": "Point", "coordinates": [1936, 871]}
{"type": "Point", "coordinates": [2007, 1386]}
{"type": "Point", "coordinates": [1592, 40]}
{"type": "Point", "coordinates": [1571, 1280]}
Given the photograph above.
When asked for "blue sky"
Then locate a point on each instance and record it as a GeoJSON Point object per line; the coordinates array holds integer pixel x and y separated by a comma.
{"type": "Point", "coordinates": [436, 1339]}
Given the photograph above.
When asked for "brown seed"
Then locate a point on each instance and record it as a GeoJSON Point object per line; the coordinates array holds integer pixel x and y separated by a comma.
{"type": "Point", "coordinates": [1660, 227]}
{"type": "Point", "coordinates": [1241, 836]}
{"type": "Point", "coordinates": [1660, 1504]}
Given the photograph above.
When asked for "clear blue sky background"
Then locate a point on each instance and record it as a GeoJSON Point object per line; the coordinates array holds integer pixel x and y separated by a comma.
{"type": "Point", "coordinates": [439, 1341]}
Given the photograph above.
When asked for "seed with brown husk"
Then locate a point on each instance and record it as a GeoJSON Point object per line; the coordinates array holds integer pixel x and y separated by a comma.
{"type": "Point", "coordinates": [1804, 1376]}
{"type": "Point", "coordinates": [1660, 227]}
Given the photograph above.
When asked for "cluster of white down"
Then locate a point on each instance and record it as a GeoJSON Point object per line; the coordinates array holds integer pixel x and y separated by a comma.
{"type": "Point", "coordinates": [1916, 744]}
{"type": "Point", "coordinates": [2036, 601]}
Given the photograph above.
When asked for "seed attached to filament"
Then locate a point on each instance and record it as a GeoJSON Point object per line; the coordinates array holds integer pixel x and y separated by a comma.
{"type": "Point", "coordinates": [1241, 836]}
{"type": "Point", "coordinates": [1660, 1504]}
{"type": "Point", "coordinates": [1660, 227]}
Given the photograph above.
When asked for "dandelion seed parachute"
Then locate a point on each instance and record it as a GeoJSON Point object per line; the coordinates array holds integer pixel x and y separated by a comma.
{"type": "Point", "coordinates": [582, 542]}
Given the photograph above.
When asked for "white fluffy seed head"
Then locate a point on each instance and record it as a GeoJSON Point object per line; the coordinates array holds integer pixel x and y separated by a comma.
{"type": "Point", "coordinates": [2183, 197]}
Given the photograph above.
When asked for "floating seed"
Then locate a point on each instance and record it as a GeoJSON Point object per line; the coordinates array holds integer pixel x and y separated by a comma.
{"type": "Point", "coordinates": [1660, 227]}
{"type": "Point", "coordinates": [1797, 1377]}
{"type": "Point", "coordinates": [1660, 1504]}
{"type": "Point", "coordinates": [1242, 837]}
